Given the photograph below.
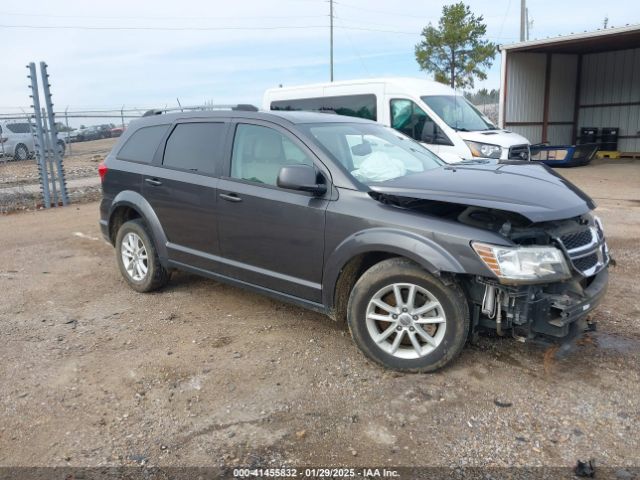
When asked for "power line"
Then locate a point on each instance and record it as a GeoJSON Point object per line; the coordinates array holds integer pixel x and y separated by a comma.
{"type": "Point", "coordinates": [285, 27]}
{"type": "Point", "coordinates": [84, 27]}
{"type": "Point", "coordinates": [120, 17]}
{"type": "Point", "coordinates": [365, 29]}
{"type": "Point", "coordinates": [194, 29]}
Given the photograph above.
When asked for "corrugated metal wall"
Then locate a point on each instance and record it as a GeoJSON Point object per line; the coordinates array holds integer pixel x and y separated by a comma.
{"type": "Point", "coordinates": [525, 87]}
{"type": "Point", "coordinates": [562, 98]}
{"type": "Point", "coordinates": [610, 78]}
{"type": "Point", "coordinates": [606, 78]}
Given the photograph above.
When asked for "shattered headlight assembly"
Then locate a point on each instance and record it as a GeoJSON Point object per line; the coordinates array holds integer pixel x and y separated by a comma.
{"type": "Point", "coordinates": [484, 150]}
{"type": "Point", "coordinates": [530, 264]}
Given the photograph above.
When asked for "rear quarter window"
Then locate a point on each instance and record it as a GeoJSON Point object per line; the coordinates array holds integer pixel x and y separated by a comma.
{"type": "Point", "coordinates": [142, 144]}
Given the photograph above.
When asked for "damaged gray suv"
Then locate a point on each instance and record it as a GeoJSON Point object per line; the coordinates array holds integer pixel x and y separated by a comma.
{"type": "Point", "coordinates": [353, 219]}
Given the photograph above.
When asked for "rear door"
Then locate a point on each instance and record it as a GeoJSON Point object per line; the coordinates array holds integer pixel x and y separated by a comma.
{"type": "Point", "coordinates": [181, 187]}
{"type": "Point", "coordinates": [270, 236]}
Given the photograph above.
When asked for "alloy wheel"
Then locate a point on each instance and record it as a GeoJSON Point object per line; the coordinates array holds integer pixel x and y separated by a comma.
{"type": "Point", "coordinates": [134, 256]}
{"type": "Point", "coordinates": [406, 320]}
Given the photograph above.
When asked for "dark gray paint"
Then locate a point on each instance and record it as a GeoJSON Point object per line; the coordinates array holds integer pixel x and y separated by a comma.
{"type": "Point", "coordinates": [293, 245]}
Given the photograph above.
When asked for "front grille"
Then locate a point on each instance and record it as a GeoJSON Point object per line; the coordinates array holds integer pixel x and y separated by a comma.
{"type": "Point", "coordinates": [586, 249]}
{"type": "Point", "coordinates": [519, 152]}
{"type": "Point", "coordinates": [577, 240]}
{"type": "Point", "coordinates": [585, 263]}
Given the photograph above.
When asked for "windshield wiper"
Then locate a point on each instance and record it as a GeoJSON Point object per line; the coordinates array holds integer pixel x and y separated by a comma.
{"type": "Point", "coordinates": [461, 129]}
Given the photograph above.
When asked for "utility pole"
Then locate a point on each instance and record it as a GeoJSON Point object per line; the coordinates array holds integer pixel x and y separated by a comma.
{"type": "Point", "coordinates": [526, 15]}
{"type": "Point", "coordinates": [523, 13]}
{"type": "Point", "coordinates": [331, 40]}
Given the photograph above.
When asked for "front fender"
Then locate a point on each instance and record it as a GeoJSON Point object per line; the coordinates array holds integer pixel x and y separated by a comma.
{"type": "Point", "coordinates": [422, 250]}
{"type": "Point", "coordinates": [136, 201]}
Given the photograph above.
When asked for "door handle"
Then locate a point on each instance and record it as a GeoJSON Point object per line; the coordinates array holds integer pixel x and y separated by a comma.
{"type": "Point", "coordinates": [153, 181]}
{"type": "Point", "coordinates": [230, 197]}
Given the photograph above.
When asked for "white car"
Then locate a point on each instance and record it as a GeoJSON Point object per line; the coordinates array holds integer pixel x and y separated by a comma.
{"type": "Point", "coordinates": [16, 140]}
{"type": "Point", "coordinates": [429, 112]}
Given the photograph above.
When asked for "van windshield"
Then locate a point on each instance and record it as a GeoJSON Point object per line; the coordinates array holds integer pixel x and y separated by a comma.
{"type": "Point", "coordinates": [373, 153]}
{"type": "Point", "coordinates": [458, 113]}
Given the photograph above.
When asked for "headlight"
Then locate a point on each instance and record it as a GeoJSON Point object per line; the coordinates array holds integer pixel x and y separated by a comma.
{"type": "Point", "coordinates": [484, 150]}
{"type": "Point", "coordinates": [523, 264]}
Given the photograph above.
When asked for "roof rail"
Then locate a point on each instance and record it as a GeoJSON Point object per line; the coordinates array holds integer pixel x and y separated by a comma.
{"type": "Point", "coordinates": [241, 107]}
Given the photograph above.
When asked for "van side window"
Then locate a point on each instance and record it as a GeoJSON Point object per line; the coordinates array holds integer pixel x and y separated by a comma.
{"type": "Point", "coordinates": [410, 119]}
{"type": "Point", "coordinates": [195, 146]}
{"type": "Point", "coordinates": [260, 152]}
{"type": "Point", "coordinates": [142, 144]}
{"type": "Point", "coordinates": [362, 106]}
{"type": "Point", "coordinates": [304, 104]}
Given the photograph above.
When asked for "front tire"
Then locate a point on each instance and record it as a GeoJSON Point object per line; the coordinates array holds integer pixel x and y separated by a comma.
{"type": "Point", "coordinates": [406, 319]}
{"type": "Point", "coordinates": [137, 258]}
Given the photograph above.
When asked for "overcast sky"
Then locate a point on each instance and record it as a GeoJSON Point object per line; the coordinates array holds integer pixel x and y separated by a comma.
{"type": "Point", "coordinates": [262, 43]}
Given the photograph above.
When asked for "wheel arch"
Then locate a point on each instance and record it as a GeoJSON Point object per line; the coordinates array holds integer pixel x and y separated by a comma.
{"type": "Point", "coordinates": [128, 205]}
{"type": "Point", "coordinates": [362, 250]}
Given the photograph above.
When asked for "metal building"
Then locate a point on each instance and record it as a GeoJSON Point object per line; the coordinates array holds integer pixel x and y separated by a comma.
{"type": "Point", "coordinates": [553, 87]}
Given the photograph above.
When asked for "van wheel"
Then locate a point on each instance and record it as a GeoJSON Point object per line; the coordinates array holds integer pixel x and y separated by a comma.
{"type": "Point", "coordinates": [405, 319]}
{"type": "Point", "coordinates": [137, 258]}
{"type": "Point", "coordinates": [21, 152]}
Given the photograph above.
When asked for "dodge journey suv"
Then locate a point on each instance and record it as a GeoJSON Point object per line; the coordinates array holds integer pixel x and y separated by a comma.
{"type": "Point", "coordinates": [355, 220]}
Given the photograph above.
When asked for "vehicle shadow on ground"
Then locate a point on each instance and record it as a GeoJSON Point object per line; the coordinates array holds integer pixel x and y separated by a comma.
{"type": "Point", "coordinates": [182, 282]}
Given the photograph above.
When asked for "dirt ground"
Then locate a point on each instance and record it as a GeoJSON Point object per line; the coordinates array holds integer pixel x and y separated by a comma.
{"type": "Point", "coordinates": [94, 374]}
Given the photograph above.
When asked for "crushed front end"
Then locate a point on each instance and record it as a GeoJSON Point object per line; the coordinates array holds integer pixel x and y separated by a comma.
{"type": "Point", "coordinates": [557, 308]}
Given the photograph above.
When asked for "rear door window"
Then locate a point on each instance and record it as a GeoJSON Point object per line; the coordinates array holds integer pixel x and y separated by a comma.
{"type": "Point", "coordinates": [197, 147]}
{"type": "Point", "coordinates": [142, 145]}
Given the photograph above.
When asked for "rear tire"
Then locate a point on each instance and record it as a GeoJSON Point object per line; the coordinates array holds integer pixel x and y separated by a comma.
{"type": "Point", "coordinates": [21, 152]}
{"type": "Point", "coordinates": [137, 258]}
{"type": "Point", "coordinates": [406, 319]}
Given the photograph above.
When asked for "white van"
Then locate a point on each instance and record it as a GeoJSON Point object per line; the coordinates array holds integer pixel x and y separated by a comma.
{"type": "Point", "coordinates": [430, 112]}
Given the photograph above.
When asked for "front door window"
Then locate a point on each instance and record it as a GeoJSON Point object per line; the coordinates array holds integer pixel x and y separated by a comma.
{"type": "Point", "coordinates": [410, 119]}
{"type": "Point", "coordinates": [260, 152]}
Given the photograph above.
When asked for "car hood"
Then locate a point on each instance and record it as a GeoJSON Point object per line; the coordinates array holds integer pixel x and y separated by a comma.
{"type": "Point", "coordinates": [532, 190]}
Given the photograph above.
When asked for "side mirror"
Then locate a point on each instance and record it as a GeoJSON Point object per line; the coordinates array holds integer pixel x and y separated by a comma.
{"type": "Point", "coordinates": [303, 178]}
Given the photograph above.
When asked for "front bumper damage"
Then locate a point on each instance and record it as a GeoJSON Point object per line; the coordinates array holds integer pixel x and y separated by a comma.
{"type": "Point", "coordinates": [554, 311]}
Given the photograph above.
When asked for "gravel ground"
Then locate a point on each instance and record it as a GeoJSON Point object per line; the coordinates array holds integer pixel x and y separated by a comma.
{"type": "Point", "coordinates": [94, 374]}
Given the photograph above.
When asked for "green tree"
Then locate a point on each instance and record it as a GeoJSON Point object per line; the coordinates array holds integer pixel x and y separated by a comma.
{"type": "Point", "coordinates": [456, 51]}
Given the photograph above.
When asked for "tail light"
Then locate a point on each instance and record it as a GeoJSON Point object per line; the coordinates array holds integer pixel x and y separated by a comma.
{"type": "Point", "coordinates": [102, 171]}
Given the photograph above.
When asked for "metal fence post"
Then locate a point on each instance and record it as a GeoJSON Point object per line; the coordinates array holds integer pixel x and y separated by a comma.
{"type": "Point", "coordinates": [53, 134]}
{"type": "Point", "coordinates": [40, 147]}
